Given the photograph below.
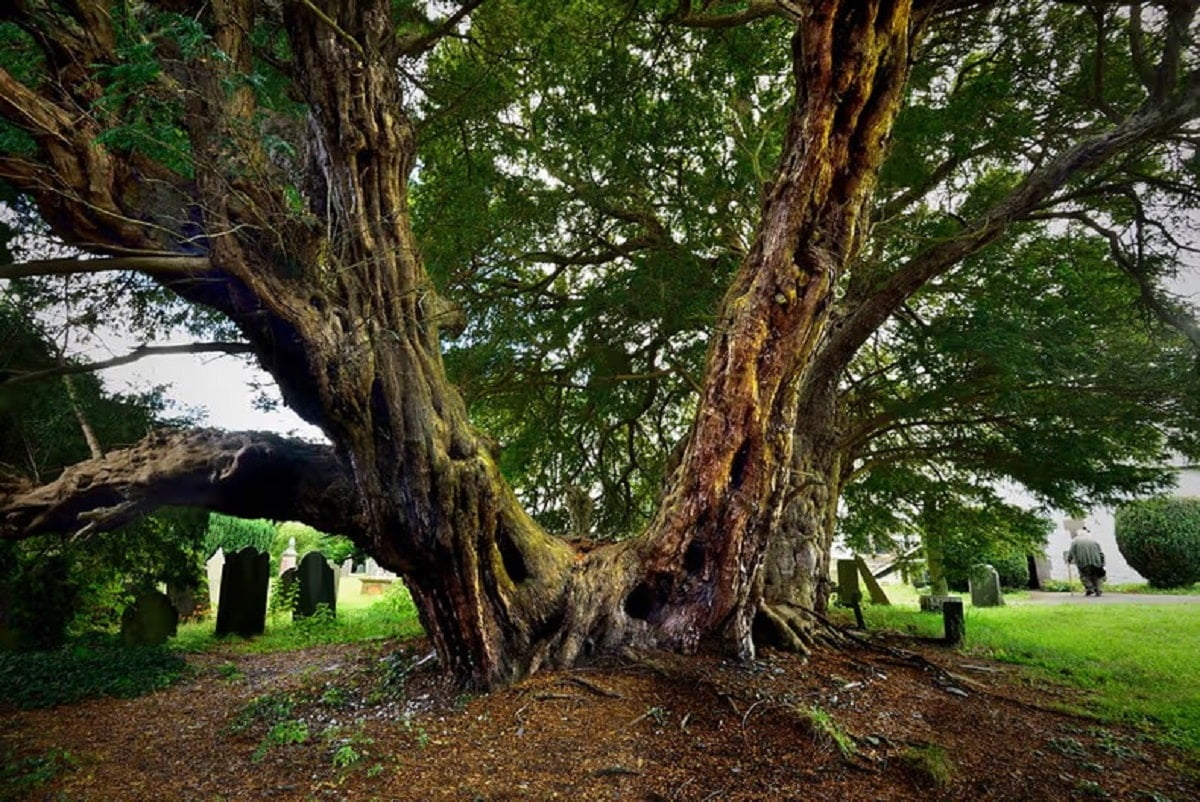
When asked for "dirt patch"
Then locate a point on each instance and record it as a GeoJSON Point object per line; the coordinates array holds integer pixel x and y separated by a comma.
{"type": "Point", "coordinates": [366, 722]}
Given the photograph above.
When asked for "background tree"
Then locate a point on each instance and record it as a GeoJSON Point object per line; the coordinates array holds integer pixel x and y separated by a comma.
{"type": "Point", "coordinates": [257, 163]}
{"type": "Point", "coordinates": [52, 585]}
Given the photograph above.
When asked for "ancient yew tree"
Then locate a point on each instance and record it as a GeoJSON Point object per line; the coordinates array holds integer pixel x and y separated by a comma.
{"type": "Point", "coordinates": [255, 158]}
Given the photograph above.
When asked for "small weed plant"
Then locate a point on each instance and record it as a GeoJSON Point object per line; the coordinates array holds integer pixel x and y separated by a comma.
{"type": "Point", "coordinates": [930, 762]}
{"type": "Point", "coordinates": [825, 728]}
{"type": "Point", "coordinates": [20, 777]}
{"type": "Point", "coordinates": [292, 731]}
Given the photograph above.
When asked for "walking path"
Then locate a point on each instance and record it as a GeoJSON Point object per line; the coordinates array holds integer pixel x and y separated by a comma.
{"type": "Point", "coordinates": [1043, 597]}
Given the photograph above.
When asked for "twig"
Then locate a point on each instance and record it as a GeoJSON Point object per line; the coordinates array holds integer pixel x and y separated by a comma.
{"type": "Point", "coordinates": [600, 690]}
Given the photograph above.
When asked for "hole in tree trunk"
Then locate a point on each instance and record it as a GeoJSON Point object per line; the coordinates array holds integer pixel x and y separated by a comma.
{"type": "Point", "coordinates": [741, 459]}
{"type": "Point", "coordinates": [514, 561]}
{"type": "Point", "coordinates": [640, 602]}
{"type": "Point", "coordinates": [693, 558]}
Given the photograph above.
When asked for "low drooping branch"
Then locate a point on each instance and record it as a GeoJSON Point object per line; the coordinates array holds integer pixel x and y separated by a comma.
{"type": "Point", "coordinates": [141, 352]}
{"type": "Point", "coordinates": [160, 265]}
{"type": "Point", "coordinates": [249, 474]}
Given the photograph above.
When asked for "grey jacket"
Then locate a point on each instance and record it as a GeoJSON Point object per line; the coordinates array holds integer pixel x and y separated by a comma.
{"type": "Point", "coordinates": [1085, 552]}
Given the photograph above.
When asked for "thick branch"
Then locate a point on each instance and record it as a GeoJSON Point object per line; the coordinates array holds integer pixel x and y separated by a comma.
{"type": "Point", "coordinates": [165, 265]}
{"type": "Point", "coordinates": [249, 474]}
{"type": "Point", "coordinates": [1030, 194]}
{"type": "Point", "coordinates": [140, 352]}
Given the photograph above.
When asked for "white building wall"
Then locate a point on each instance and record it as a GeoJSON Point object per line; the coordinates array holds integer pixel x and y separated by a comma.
{"type": "Point", "coordinates": [1101, 527]}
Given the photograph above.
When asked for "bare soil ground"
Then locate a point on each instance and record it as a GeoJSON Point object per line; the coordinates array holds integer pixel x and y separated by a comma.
{"type": "Point", "coordinates": [919, 724]}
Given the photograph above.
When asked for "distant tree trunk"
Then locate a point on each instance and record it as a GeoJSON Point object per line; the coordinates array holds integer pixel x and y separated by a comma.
{"type": "Point", "coordinates": [85, 425]}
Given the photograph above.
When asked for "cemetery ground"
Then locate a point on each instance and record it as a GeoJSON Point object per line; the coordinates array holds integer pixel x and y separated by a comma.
{"type": "Point", "coordinates": [1043, 702]}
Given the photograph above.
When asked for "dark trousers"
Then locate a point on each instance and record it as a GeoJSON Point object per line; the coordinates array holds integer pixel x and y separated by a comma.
{"type": "Point", "coordinates": [1091, 576]}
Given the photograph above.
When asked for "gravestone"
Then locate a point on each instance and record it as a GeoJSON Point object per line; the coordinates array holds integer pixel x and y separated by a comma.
{"type": "Point", "coordinates": [186, 598]}
{"type": "Point", "coordinates": [873, 586]}
{"type": "Point", "coordinates": [849, 594]}
{"type": "Point", "coordinates": [213, 568]}
{"type": "Point", "coordinates": [1041, 570]}
{"type": "Point", "coordinates": [952, 620]}
{"type": "Point", "coordinates": [984, 582]}
{"type": "Point", "coordinates": [933, 604]}
{"type": "Point", "coordinates": [348, 566]}
{"type": "Point", "coordinates": [317, 585]}
{"type": "Point", "coordinates": [243, 606]}
{"type": "Point", "coordinates": [150, 620]}
{"type": "Point", "coordinates": [288, 558]}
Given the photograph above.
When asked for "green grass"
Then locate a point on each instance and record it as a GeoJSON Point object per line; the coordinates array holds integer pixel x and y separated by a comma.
{"type": "Point", "coordinates": [359, 618]}
{"type": "Point", "coordinates": [1137, 661]}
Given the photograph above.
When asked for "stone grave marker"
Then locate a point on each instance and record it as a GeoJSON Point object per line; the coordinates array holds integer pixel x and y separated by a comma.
{"type": "Point", "coordinates": [317, 585]}
{"type": "Point", "coordinates": [213, 568]}
{"type": "Point", "coordinates": [984, 582]}
{"type": "Point", "coordinates": [243, 606]}
{"type": "Point", "coordinates": [150, 620]}
{"type": "Point", "coordinates": [288, 558]}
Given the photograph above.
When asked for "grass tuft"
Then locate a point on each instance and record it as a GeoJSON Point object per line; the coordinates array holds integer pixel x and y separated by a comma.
{"type": "Point", "coordinates": [930, 762]}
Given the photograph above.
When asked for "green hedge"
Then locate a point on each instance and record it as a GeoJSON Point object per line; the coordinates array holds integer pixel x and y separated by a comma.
{"type": "Point", "coordinates": [1160, 539]}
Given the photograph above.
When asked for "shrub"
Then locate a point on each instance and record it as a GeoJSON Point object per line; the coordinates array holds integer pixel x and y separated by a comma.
{"type": "Point", "coordinates": [1160, 539]}
{"type": "Point", "coordinates": [959, 554]}
{"type": "Point", "coordinates": [231, 534]}
{"type": "Point", "coordinates": [86, 670]}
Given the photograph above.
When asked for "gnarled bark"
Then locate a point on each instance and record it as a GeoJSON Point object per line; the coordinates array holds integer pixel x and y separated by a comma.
{"type": "Point", "coordinates": [249, 474]}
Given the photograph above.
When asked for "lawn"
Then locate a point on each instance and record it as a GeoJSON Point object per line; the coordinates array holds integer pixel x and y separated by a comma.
{"type": "Point", "coordinates": [359, 618]}
{"type": "Point", "coordinates": [1139, 661]}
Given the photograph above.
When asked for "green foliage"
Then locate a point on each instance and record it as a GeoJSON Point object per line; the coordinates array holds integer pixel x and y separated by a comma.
{"type": "Point", "coordinates": [231, 534]}
{"type": "Point", "coordinates": [37, 597]}
{"type": "Point", "coordinates": [270, 708]}
{"type": "Point", "coordinates": [1160, 539]}
{"type": "Point", "coordinates": [960, 553]}
{"type": "Point", "coordinates": [85, 670]}
{"type": "Point", "coordinates": [19, 777]}
{"type": "Point", "coordinates": [284, 597]}
{"type": "Point", "coordinates": [292, 731]}
{"type": "Point", "coordinates": [335, 547]}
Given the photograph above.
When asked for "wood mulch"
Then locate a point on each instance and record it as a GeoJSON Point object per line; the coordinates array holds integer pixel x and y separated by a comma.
{"type": "Point", "coordinates": [655, 728]}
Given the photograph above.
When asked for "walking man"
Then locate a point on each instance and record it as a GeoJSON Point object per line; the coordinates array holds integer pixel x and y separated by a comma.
{"type": "Point", "coordinates": [1086, 554]}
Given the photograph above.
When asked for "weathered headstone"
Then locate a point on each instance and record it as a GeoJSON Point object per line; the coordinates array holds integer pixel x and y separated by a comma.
{"type": "Point", "coordinates": [243, 606]}
{"type": "Point", "coordinates": [186, 598]}
{"type": "Point", "coordinates": [952, 618]}
{"type": "Point", "coordinates": [849, 594]}
{"type": "Point", "coordinates": [317, 585]}
{"type": "Point", "coordinates": [1041, 571]}
{"type": "Point", "coordinates": [348, 566]}
{"type": "Point", "coordinates": [984, 582]}
{"type": "Point", "coordinates": [214, 567]}
{"type": "Point", "coordinates": [150, 620]}
{"type": "Point", "coordinates": [933, 604]}
{"type": "Point", "coordinates": [847, 586]}
{"type": "Point", "coordinates": [873, 586]}
{"type": "Point", "coordinates": [288, 558]}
